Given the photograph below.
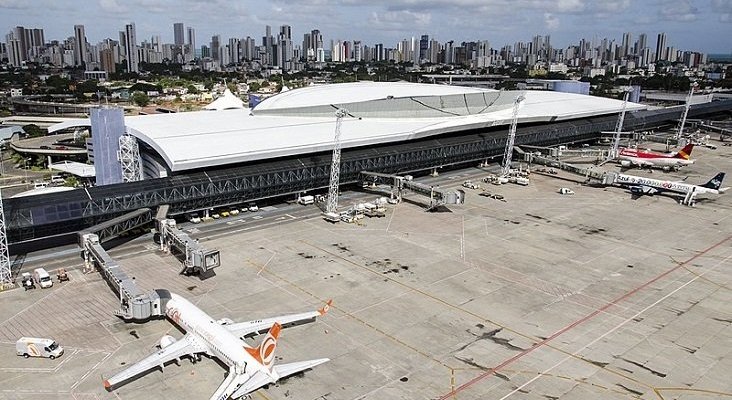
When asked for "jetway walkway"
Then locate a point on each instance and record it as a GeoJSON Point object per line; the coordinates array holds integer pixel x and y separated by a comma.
{"type": "Point", "coordinates": [196, 258]}
{"type": "Point", "coordinates": [588, 173]}
{"type": "Point", "coordinates": [135, 304]}
{"type": "Point", "coordinates": [400, 183]}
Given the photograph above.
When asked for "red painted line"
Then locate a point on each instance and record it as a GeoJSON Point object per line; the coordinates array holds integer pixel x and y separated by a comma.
{"type": "Point", "coordinates": [587, 317]}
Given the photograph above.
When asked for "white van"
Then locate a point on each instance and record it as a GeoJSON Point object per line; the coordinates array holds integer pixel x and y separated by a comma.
{"type": "Point", "coordinates": [38, 347]}
{"type": "Point", "coordinates": [305, 200]}
{"type": "Point", "coordinates": [57, 180]}
{"type": "Point", "coordinates": [42, 277]}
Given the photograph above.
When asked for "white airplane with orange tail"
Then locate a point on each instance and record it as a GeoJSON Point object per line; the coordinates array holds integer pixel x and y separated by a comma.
{"type": "Point", "coordinates": [249, 368]}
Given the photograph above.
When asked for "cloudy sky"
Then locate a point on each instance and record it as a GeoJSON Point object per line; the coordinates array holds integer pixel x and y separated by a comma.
{"type": "Point", "coordinates": [703, 25]}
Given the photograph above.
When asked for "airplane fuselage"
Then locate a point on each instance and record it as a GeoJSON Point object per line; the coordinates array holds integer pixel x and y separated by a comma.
{"type": "Point", "coordinates": [222, 343]}
{"type": "Point", "coordinates": [678, 187]}
{"type": "Point", "coordinates": [641, 158]}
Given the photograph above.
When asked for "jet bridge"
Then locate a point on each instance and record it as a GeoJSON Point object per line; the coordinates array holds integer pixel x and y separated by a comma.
{"type": "Point", "coordinates": [400, 183]}
{"type": "Point", "coordinates": [538, 158]}
{"type": "Point", "coordinates": [196, 258]}
{"type": "Point", "coordinates": [135, 304]}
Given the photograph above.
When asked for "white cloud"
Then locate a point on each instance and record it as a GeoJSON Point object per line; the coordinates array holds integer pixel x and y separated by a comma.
{"type": "Point", "coordinates": [403, 20]}
{"type": "Point", "coordinates": [678, 10]}
{"type": "Point", "coordinates": [14, 4]}
{"type": "Point", "coordinates": [571, 6]}
{"type": "Point", "coordinates": [724, 9]}
{"type": "Point", "coordinates": [111, 6]}
{"type": "Point", "coordinates": [551, 21]}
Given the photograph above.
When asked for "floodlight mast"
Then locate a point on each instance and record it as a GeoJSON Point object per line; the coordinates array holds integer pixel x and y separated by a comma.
{"type": "Point", "coordinates": [6, 273]}
{"type": "Point", "coordinates": [511, 136]}
{"type": "Point", "coordinates": [619, 125]}
{"type": "Point", "coordinates": [686, 111]}
{"type": "Point", "coordinates": [335, 166]}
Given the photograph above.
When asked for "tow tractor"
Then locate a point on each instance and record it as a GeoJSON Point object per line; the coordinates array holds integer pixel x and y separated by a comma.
{"type": "Point", "coordinates": [27, 281]}
{"type": "Point", "coordinates": [62, 275]}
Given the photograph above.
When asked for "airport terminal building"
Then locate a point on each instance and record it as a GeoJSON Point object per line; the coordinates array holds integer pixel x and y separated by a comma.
{"type": "Point", "coordinates": [198, 160]}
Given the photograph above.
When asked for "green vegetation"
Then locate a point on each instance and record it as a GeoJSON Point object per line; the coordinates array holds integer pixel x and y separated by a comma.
{"type": "Point", "coordinates": [141, 99]}
{"type": "Point", "coordinates": [33, 130]}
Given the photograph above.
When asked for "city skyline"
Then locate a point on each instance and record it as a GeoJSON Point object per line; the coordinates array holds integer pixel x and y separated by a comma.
{"type": "Point", "coordinates": [689, 25]}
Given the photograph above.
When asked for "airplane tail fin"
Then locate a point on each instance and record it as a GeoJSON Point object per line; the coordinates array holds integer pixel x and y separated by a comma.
{"type": "Point", "coordinates": [326, 307]}
{"type": "Point", "coordinates": [716, 182]}
{"type": "Point", "coordinates": [264, 353]}
{"type": "Point", "coordinates": [685, 153]}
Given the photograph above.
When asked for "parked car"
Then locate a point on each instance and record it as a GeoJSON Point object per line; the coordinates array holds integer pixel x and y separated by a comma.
{"type": "Point", "coordinates": [253, 207]}
{"type": "Point", "coordinates": [194, 218]}
{"type": "Point", "coordinates": [565, 190]}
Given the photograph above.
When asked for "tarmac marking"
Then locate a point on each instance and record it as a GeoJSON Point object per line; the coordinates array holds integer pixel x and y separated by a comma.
{"type": "Point", "coordinates": [613, 330]}
{"type": "Point", "coordinates": [83, 377]}
{"type": "Point", "coordinates": [580, 321]}
{"type": "Point", "coordinates": [686, 389]}
{"type": "Point", "coordinates": [416, 350]}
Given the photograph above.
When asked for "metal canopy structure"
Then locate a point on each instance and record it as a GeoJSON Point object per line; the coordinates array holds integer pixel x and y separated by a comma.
{"type": "Point", "coordinates": [54, 214]}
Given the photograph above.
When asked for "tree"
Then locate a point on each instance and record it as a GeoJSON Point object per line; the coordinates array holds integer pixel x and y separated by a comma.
{"type": "Point", "coordinates": [33, 130]}
{"type": "Point", "coordinates": [254, 86]}
{"type": "Point", "coordinates": [192, 89]}
{"type": "Point", "coordinates": [141, 99]}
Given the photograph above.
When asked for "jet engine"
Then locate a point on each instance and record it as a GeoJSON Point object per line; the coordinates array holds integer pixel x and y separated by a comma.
{"type": "Point", "coordinates": [224, 321]}
{"type": "Point", "coordinates": [166, 341]}
{"type": "Point", "coordinates": [625, 163]}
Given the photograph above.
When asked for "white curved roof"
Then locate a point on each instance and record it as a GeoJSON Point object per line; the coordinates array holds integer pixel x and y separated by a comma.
{"type": "Point", "coordinates": [354, 92]}
{"type": "Point", "coordinates": [302, 121]}
{"type": "Point", "coordinates": [228, 101]}
{"type": "Point", "coordinates": [202, 139]}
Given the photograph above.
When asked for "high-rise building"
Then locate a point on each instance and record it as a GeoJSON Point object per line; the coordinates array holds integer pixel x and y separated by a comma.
{"type": "Point", "coordinates": [284, 54]}
{"type": "Point", "coordinates": [661, 47]}
{"type": "Point", "coordinates": [215, 47]}
{"type": "Point", "coordinates": [234, 50]}
{"type": "Point", "coordinates": [13, 45]}
{"type": "Point", "coordinates": [191, 42]}
{"type": "Point", "coordinates": [131, 48]}
{"type": "Point", "coordinates": [268, 43]}
{"type": "Point", "coordinates": [106, 58]}
{"type": "Point", "coordinates": [80, 51]}
{"type": "Point", "coordinates": [357, 51]}
{"type": "Point", "coordinates": [625, 47]}
{"type": "Point", "coordinates": [248, 49]}
{"type": "Point", "coordinates": [379, 52]}
{"type": "Point", "coordinates": [178, 38]}
{"type": "Point", "coordinates": [424, 43]}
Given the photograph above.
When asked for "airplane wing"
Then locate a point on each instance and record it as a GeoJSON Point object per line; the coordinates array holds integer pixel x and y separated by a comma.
{"type": "Point", "coordinates": [260, 379]}
{"type": "Point", "coordinates": [188, 345]}
{"type": "Point", "coordinates": [259, 326]}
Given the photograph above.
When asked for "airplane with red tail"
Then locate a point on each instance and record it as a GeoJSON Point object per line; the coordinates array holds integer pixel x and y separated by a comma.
{"type": "Point", "coordinates": [628, 157]}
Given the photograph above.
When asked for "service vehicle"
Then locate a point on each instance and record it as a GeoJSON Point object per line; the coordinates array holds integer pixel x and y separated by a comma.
{"type": "Point", "coordinates": [27, 281]}
{"type": "Point", "coordinates": [565, 190]}
{"type": "Point", "coordinates": [38, 347]}
{"type": "Point", "coordinates": [305, 200]}
{"type": "Point", "coordinates": [41, 276]}
{"type": "Point", "coordinates": [62, 275]}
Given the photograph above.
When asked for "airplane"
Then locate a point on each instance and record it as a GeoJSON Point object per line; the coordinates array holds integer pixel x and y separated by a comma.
{"type": "Point", "coordinates": [628, 157]}
{"type": "Point", "coordinates": [646, 186]}
{"type": "Point", "coordinates": [249, 368]}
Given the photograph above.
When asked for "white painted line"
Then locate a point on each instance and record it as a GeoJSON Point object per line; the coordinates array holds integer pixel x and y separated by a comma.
{"type": "Point", "coordinates": [618, 326]}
